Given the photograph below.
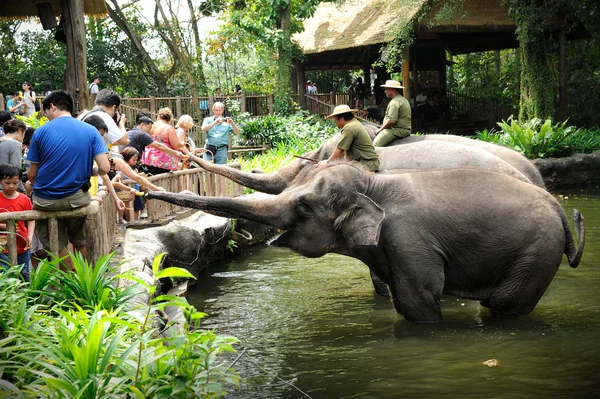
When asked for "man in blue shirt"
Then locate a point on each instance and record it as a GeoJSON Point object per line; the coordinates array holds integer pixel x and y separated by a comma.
{"type": "Point", "coordinates": [61, 156]}
{"type": "Point", "coordinates": [217, 128]}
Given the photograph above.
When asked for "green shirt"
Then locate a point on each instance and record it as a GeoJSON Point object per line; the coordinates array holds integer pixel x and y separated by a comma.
{"type": "Point", "coordinates": [398, 110]}
{"type": "Point", "coordinates": [357, 144]}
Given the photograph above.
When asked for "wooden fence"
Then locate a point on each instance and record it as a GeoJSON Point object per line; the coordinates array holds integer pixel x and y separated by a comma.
{"type": "Point", "coordinates": [197, 180]}
{"type": "Point", "coordinates": [100, 227]}
{"type": "Point", "coordinates": [460, 106]}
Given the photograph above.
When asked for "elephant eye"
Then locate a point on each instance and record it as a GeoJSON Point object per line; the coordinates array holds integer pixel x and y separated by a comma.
{"type": "Point", "coordinates": [304, 209]}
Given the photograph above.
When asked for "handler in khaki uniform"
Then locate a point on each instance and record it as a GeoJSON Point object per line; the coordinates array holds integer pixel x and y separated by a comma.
{"type": "Point", "coordinates": [355, 143]}
{"type": "Point", "coordinates": [396, 123]}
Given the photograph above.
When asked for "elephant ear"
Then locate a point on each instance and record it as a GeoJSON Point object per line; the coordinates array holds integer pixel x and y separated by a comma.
{"type": "Point", "coordinates": [361, 224]}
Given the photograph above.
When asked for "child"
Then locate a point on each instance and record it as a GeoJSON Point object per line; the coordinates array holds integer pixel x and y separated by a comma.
{"type": "Point", "coordinates": [13, 201]}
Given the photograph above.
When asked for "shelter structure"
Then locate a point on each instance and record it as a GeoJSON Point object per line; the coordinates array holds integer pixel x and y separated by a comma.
{"type": "Point", "coordinates": [70, 29]}
{"type": "Point", "coordinates": [351, 35]}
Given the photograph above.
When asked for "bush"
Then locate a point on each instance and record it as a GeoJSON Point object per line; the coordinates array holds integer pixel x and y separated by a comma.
{"type": "Point", "coordinates": [64, 350]}
{"type": "Point", "coordinates": [542, 139]}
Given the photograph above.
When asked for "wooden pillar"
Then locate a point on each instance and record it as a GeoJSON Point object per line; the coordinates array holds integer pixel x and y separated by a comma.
{"type": "Point", "coordinates": [75, 73]}
{"type": "Point", "coordinates": [406, 72]}
{"type": "Point", "coordinates": [367, 76]}
{"type": "Point", "coordinates": [2, 103]}
{"type": "Point", "coordinates": [415, 71]}
{"type": "Point", "coordinates": [271, 101]}
{"type": "Point", "coordinates": [211, 101]}
{"type": "Point", "coordinates": [301, 78]}
{"type": "Point", "coordinates": [178, 106]}
{"type": "Point", "coordinates": [243, 102]}
{"type": "Point", "coordinates": [442, 73]}
{"type": "Point", "coordinates": [153, 105]}
{"type": "Point", "coordinates": [562, 111]}
{"type": "Point", "coordinates": [332, 98]}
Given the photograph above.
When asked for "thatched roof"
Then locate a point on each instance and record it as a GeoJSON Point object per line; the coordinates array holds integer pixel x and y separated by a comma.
{"type": "Point", "coordinates": [354, 23]}
{"type": "Point", "coordinates": [17, 9]}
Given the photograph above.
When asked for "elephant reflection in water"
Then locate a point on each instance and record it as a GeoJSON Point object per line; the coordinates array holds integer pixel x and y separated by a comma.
{"type": "Point", "coordinates": [474, 234]}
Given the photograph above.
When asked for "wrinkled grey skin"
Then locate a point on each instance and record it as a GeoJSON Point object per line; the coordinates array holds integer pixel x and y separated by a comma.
{"type": "Point", "coordinates": [391, 157]}
{"type": "Point", "coordinates": [474, 234]}
{"type": "Point", "coordinates": [431, 154]}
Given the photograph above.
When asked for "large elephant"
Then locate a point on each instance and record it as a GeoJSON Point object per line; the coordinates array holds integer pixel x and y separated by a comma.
{"type": "Point", "coordinates": [474, 234]}
{"type": "Point", "coordinates": [430, 154]}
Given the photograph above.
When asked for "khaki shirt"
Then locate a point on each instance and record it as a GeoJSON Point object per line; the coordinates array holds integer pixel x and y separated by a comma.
{"type": "Point", "coordinates": [398, 110]}
{"type": "Point", "coordinates": [357, 144]}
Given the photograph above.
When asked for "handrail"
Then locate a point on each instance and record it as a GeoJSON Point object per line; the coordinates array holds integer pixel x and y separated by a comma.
{"type": "Point", "coordinates": [99, 243]}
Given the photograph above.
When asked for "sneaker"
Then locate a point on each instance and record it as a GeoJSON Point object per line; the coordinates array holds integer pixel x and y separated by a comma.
{"type": "Point", "coordinates": [144, 215]}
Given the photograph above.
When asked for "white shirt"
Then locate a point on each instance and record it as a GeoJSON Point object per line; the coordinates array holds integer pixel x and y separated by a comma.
{"type": "Point", "coordinates": [421, 99]}
{"type": "Point", "coordinates": [94, 89]}
{"type": "Point", "coordinates": [113, 134]}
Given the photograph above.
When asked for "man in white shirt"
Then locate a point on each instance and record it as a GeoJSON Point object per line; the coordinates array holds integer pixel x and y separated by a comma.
{"type": "Point", "coordinates": [107, 107]}
{"type": "Point", "coordinates": [94, 89]}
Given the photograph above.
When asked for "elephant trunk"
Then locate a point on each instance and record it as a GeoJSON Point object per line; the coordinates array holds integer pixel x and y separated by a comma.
{"type": "Point", "coordinates": [266, 211]}
{"type": "Point", "coordinates": [270, 183]}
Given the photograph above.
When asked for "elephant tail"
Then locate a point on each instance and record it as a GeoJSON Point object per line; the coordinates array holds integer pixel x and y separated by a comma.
{"type": "Point", "coordinates": [574, 254]}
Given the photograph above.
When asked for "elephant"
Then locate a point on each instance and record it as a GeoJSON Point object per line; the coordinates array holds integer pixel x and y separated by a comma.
{"type": "Point", "coordinates": [430, 154]}
{"type": "Point", "coordinates": [471, 233]}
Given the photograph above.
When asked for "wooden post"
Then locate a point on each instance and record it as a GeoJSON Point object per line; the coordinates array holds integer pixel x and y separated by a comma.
{"type": "Point", "coordinates": [562, 111]}
{"type": "Point", "coordinates": [178, 106]}
{"type": "Point", "coordinates": [211, 101]}
{"type": "Point", "coordinates": [332, 98]}
{"type": "Point", "coordinates": [442, 72]}
{"type": "Point", "coordinates": [367, 76]}
{"type": "Point", "coordinates": [301, 78]}
{"type": "Point", "coordinates": [75, 72]}
{"type": "Point", "coordinates": [271, 102]}
{"type": "Point", "coordinates": [243, 102]}
{"type": "Point", "coordinates": [406, 72]}
{"type": "Point", "coordinates": [415, 83]}
{"type": "Point", "coordinates": [2, 103]}
{"type": "Point", "coordinates": [153, 105]}
{"type": "Point", "coordinates": [11, 243]}
{"type": "Point", "coordinates": [53, 235]}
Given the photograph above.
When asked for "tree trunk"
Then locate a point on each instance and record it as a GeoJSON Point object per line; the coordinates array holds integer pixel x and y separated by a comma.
{"type": "Point", "coordinates": [283, 95]}
{"type": "Point", "coordinates": [76, 71]}
{"type": "Point", "coordinates": [200, 78]}
{"type": "Point", "coordinates": [116, 14]}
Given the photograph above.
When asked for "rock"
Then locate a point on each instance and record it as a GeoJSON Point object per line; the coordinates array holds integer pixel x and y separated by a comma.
{"type": "Point", "coordinates": [491, 363]}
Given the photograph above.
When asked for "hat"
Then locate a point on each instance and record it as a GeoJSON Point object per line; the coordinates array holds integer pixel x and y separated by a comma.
{"type": "Point", "coordinates": [341, 109]}
{"type": "Point", "coordinates": [144, 119]}
{"type": "Point", "coordinates": [392, 84]}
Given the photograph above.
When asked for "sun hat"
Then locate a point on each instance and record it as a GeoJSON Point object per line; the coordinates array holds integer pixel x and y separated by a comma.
{"type": "Point", "coordinates": [341, 109]}
{"type": "Point", "coordinates": [392, 84]}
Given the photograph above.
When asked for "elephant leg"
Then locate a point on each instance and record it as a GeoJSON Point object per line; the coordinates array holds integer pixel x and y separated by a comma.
{"type": "Point", "coordinates": [519, 292]}
{"type": "Point", "coordinates": [416, 293]}
{"type": "Point", "coordinates": [381, 288]}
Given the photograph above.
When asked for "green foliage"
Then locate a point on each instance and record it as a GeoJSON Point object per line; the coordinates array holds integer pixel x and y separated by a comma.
{"type": "Point", "coordinates": [293, 135]}
{"type": "Point", "coordinates": [542, 139]}
{"type": "Point", "coordinates": [34, 120]}
{"type": "Point", "coordinates": [68, 351]}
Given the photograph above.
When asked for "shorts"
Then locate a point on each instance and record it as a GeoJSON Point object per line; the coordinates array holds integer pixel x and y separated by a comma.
{"type": "Point", "coordinates": [22, 259]}
{"type": "Point", "coordinates": [70, 230]}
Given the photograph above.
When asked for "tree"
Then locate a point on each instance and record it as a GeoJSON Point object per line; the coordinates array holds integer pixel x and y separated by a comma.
{"type": "Point", "coordinates": [274, 22]}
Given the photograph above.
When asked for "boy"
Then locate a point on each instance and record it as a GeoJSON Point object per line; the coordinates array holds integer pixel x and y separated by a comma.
{"type": "Point", "coordinates": [13, 201]}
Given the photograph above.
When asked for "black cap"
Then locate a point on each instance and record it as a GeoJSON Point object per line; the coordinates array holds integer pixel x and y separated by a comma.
{"type": "Point", "coordinates": [144, 119]}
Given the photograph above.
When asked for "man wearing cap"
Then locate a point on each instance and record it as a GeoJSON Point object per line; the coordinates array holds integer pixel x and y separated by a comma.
{"type": "Point", "coordinates": [355, 143]}
{"type": "Point", "coordinates": [396, 122]}
{"type": "Point", "coordinates": [140, 138]}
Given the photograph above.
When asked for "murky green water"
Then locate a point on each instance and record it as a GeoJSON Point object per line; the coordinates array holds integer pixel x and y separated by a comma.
{"type": "Point", "coordinates": [317, 324]}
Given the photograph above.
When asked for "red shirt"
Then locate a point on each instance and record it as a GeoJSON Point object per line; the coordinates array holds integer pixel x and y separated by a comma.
{"type": "Point", "coordinates": [21, 203]}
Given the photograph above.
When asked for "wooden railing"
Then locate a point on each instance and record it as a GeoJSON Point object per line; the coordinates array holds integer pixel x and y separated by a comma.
{"type": "Point", "coordinates": [318, 107]}
{"type": "Point", "coordinates": [198, 181]}
{"type": "Point", "coordinates": [100, 227]}
{"type": "Point", "coordinates": [461, 106]}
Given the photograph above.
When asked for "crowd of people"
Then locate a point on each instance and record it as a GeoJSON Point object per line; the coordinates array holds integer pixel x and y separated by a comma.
{"type": "Point", "coordinates": [52, 168]}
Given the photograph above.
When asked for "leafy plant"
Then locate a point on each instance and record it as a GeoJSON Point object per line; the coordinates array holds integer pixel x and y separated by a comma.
{"type": "Point", "coordinates": [535, 138]}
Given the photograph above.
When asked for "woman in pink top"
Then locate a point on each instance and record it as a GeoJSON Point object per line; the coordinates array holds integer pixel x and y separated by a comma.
{"type": "Point", "coordinates": [163, 132]}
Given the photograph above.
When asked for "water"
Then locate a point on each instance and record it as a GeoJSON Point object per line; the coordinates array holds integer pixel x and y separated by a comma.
{"type": "Point", "coordinates": [317, 324]}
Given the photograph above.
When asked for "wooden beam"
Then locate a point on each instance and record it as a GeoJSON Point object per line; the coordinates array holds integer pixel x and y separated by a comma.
{"type": "Point", "coordinates": [406, 72]}
{"type": "Point", "coordinates": [76, 71]}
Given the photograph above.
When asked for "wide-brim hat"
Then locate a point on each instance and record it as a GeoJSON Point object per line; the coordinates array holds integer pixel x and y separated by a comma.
{"type": "Point", "coordinates": [392, 84]}
{"type": "Point", "coordinates": [341, 109]}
